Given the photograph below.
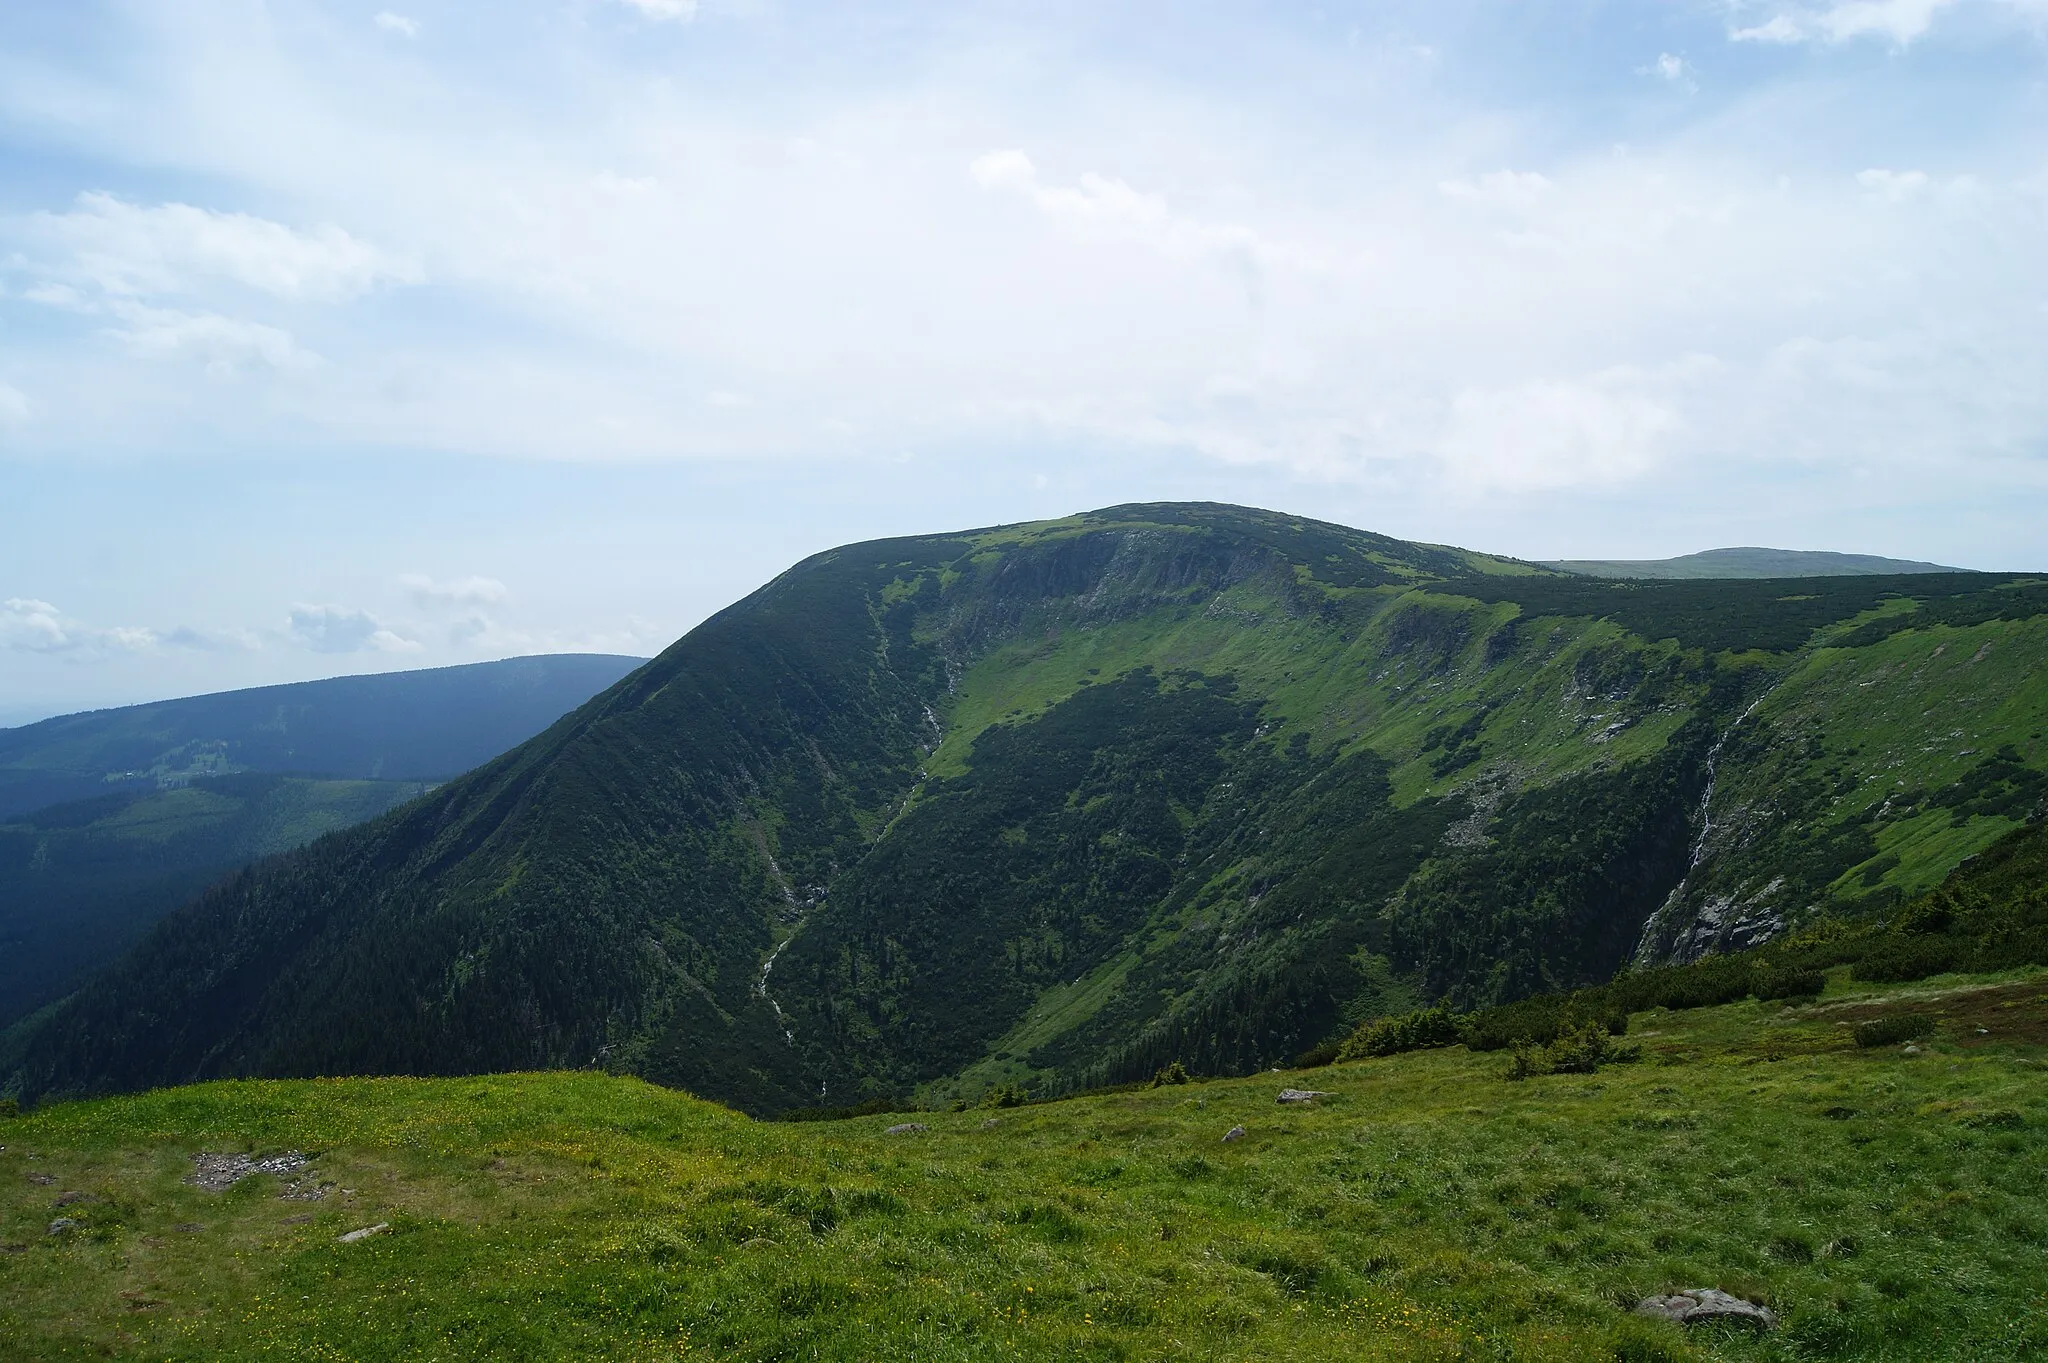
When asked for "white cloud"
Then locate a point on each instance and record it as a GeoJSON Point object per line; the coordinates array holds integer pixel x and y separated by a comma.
{"type": "Point", "coordinates": [118, 249]}
{"type": "Point", "coordinates": [1900, 21]}
{"type": "Point", "coordinates": [1108, 208]}
{"type": "Point", "coordinates": [13, 405]}
{"type": "Point", "coordinates": [397, 23]}
{"type": "Point", "coordinates": [681, 11]}
{"type": "Point", "coordinates": [1672, 70]}
{"type": "Point", "coordinates": [466, 591]}
{"type": "Point", "coordinates": [223, 344]}
{"type": "Point", "coordinates": [1513, 190]}
{"type": "Point", "coordinates": [1603, 430]}
{"type": "Point", "coordinates": [213, 640]}
{"type": "Point", "coordinates": [32, 626]}
{"type": "Point", "coordinates": [28, 625]}
{"type": "Point", "coordinates": [344, 629]}
{"type": "Point", "coordinates": [1428, 287]}
{"type": "Point", "coordinates": [1892, 185]}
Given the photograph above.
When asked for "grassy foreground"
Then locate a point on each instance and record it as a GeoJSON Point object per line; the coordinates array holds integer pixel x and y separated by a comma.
{"type": "Point", "coordinates": [1889, 1204]}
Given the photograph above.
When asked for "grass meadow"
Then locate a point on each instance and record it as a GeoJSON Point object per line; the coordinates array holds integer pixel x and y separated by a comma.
{"type": "Point", "coordinates": [1886, 1202]}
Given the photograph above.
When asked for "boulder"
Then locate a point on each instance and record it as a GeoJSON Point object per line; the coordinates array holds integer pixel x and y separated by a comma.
{"type": "Point", "coordinates": [365, 1233]}
{"type": "Point", "coordinates": [1236, 1133]}
{"type": "Point", "coordinates": [1702, 1305]}
{"type": "Point", "coordinates": [906, 1129]}
{"type": "Point", "coordinates": [62, 1224]}
{"type": "Point", "coordinates": [1301, 1095]}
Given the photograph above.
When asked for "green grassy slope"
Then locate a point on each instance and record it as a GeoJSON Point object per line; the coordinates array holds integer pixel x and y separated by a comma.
{"type": "Point", "coordinates": [1062, 802]}
{"type": "Point", "coordinates": [1887, 1203]}
{"type": "Point", "coordinates": [81, 882]}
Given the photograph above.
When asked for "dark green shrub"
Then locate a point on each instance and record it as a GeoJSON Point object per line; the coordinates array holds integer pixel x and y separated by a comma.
{"type": "Point", "coordinates": [1409, 1032]}
{"type": "Point", "coordinates": [1543, 1019]}
{"type": "Point", "coordinates": [1890, 1031]}
{"type": "Point", "coordinates": [9, 1107]}
{"type": "Point", "coordinates": [1175, 1073]}
{"type": "Point", "coordinates": [1890, 960]}
{"type": "Point", "coordinates": [1005, 1095]}
{"type": "Point", "coordinates": [1790, 984]}
{"type": "Point", "coordinates": [1582, 1050]}
{"type": "Point", "coordinates": [1318, 1055]}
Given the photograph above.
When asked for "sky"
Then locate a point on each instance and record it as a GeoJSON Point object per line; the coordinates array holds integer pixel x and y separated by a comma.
{"type": "Point", "coordinates": [344, 338]}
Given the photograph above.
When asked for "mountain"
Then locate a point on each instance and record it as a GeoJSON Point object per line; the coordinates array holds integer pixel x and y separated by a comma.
{"type": "Point", "coordinates": [1750, 563]}
{"type": "Point", "coordinates": [425, 725]}
{"type": "Point", "coordinates": [1056, 804]}
{"type": "Point", "coordinates": [81, 882]}
{"type": "Point", "coordinates": [190, 789]}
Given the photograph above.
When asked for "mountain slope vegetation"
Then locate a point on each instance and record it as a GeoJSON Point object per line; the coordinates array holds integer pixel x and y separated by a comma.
{"type": "Point", "coordinates": [81, 882]}
{"type": "Point", "coordinates": [183, 792]}
{"type": "Point", "coordinates": [426, 725]}
{"type": "Point", "coordinates": [1058, 804]}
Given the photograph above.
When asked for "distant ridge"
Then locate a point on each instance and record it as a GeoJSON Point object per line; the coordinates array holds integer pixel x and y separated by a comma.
{"type": "Point", "coordinates": [1749, 562]}
{"type": "Point", "coordinates": [423, 725]}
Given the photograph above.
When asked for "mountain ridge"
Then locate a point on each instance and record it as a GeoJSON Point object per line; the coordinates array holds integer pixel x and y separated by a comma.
{"type": "Point", "coordinates": [1750, 561]}
{"type": "Point", "coordinates": [426, 724]}
{"type": "Point", "coordinates": [1055, 803]}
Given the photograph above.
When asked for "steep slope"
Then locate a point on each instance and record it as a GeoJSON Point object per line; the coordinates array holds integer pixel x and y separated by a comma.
{"type": "Point", "coordinates": [81, 882]}
{"type": "Point", "coordinates": [1054, 804]}
{"type": "Point", "coordinates": [1750, 563]}
{"type": "Point", "coordinates": [425, 725]}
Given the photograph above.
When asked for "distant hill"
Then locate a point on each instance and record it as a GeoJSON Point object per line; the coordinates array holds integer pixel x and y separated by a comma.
{"type": "Point", "coordinates": [426, 725]}
{"type": "Point", "coordinates": [1059, 804]}
{"type": "Point", "coordinates": [1749, 563]}
{"type": "Point", "coordinates": [185, 791]}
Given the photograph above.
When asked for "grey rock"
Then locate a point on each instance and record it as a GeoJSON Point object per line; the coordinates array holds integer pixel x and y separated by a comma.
{"type": "Point", "coordinates": [365, 1233]}
{"type": "Point", "coordinates": [1301, 1095]}
{"type": "Point", "coordinates": [906, 1129]}
{"type": "Point", "coordinates": [216, 1173]}
{"type": "Point", "coordinates": [1701, 1305]}
{"type": "Point", "coordinates": [62, 1224]}
{"type": "Point", "coordinates": [1236, 1133]}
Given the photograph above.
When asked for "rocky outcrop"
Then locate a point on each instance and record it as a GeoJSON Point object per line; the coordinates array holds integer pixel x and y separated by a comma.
{"type": "Point", "coordinates": [1705, 1305]}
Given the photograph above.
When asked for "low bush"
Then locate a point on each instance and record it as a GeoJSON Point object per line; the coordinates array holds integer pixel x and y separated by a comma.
{"type": "Point", "coordinates": [1891, 960]}
{"type": "Point", "coordinates": [1543, 1019]}
{"type": "Point", "coordinates": [1175, 1073]}
{"type": "Point", "coordinates": [1409, 1032]}
{"type": "Point", "coordinates": [1790, 984]}
{"type": "Point", "coordinates": [1890, 1031]}
{"type": "Point", "coordinates": [1582, 1050]}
